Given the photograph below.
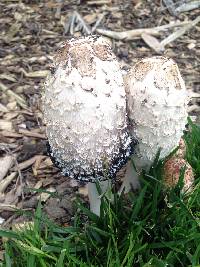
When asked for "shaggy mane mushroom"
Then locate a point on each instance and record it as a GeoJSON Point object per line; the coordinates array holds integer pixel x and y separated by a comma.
{"type": "Point", "coordinates": [157, 110]}
{"type": "Point", "coordinates": [84, 107]}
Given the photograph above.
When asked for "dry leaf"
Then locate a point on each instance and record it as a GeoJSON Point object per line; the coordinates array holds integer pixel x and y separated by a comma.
{"type": "Point", "coordinates": [38, 185]}
{"type": "Point", "coordinates": [2, 220]}
{"type": "Point", "coordinates": [20, 227]}
{"type": "Point", "coordinates": [12, 105]}
{"type": "Point", "coordinates": [11, 134]}
{"type": "Point", "coordinates": [83, 190]}
{"type": "Point", "coordinates": [36, 165]}
{"type": "Point", "coordinates": [10, 78]}
{"type": "Point", "coordinates": [10, 115]}
{"type": "Point", "coordinates": [3, 108]}
{"type": "Point", "coordinates": [6, 125]}
{"type": "Point", "coordinates": [44, 196]}
{"type": "Point", "coordinates": [5, 164]}
{"type": "Point", "coordinates": [8, 207]}
{"type": "Point", "coordinates": [152, 42]}
{"type": "Point", "coordinates": [90, 18]}
{"type": "Point", "coordinates": [6, 181]}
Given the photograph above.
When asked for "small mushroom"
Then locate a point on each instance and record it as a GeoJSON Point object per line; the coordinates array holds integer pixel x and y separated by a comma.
{"type": "Point", "coordinates": [172, 172]}
{"type": "Point", "coordinates": [157, 110]}
{"type": "Point", "coordinates": [181, 151]}
{"type": "Point", "coordinates": [84, 107]}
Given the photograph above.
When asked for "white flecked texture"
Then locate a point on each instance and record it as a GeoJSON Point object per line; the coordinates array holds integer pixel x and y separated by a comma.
{"type": "Point", "coordinates": [157, 103]}
{"type": "Point", "coordinates": [84, 108]}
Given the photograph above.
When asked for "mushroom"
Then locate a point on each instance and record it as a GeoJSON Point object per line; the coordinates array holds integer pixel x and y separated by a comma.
{"type": "Point", "coordinates": [157, 110]}
{"type": "Point", "coordinates": [84, 109]}
{"type": "Point", "coordinates": [174, 165]}
{"type": "Point", "coordinates": [172, 173]}
{"type": "Point", "coordinates": [181, 151]}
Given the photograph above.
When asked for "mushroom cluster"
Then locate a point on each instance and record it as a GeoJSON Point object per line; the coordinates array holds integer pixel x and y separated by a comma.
{"type": "Point", "coordinates": [85, 106]}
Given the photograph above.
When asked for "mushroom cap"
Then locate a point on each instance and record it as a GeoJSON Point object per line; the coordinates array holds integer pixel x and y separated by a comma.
{"type": "Point", "coordinates": [156, 102]}
{"type": "Point", "coordinates": [172, 171]}
{"type": "Point", "coordinates": [84, 109]}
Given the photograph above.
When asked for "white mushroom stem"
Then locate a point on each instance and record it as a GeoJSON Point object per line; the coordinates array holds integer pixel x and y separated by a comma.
{"type": "Point", "coordinates": [95, 197]}
{"type": "Point", "coordinates": [131, 179]}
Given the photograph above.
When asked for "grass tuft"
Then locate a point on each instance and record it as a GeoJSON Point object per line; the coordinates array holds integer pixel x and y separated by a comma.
{"type": "Point", "coordinates": [151, 227]}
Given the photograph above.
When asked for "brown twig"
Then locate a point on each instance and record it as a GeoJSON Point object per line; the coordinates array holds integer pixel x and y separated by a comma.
{"type": "Point", "coordinates": [132, 34]}
{"type": "Point", "coordinates": [35, 74]}
{"type": "Point", "coordinates": [160, 46]}
{"type": "Point", "coordinates": [27, 163]}
{"type": "Point", "coordinates": [172, 37]}
{"type": "Point", "coordinates": [6, 181]}
{"type": "Point", "coordinates": [32, 134]}
{"type": "Point", "coordinates": [8, 207]}
{"type": "Point", "coordinates": [188, 6]}
{"type": "Point", "coordinates": [98, 2]}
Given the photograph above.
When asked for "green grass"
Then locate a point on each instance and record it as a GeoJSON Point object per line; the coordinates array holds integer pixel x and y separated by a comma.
{"type": "Point", "coordinates": [149, 228]}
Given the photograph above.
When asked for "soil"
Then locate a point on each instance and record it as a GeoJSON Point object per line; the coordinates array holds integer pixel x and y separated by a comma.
{"type": "Point", "coordinates": [31, 32]}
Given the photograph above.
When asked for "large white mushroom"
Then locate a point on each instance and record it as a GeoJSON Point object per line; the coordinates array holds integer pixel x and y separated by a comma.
{"type": "Point", "coordinates": [157, 110]}
{"type": "Point", "coordinates": [84, 106]}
